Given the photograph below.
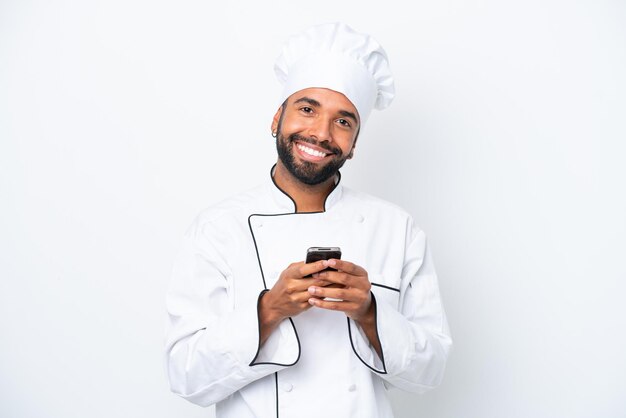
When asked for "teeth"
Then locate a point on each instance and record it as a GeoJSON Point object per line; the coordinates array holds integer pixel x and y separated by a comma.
{"type": "Point", "coordinates": [311, 151]}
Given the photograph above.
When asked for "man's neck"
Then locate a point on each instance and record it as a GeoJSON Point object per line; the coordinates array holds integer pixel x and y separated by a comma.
{"type": "Point", "coordinates": [307, 198]}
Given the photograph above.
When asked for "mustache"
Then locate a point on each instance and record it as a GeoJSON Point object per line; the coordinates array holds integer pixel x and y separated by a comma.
{"type": "Point", "coordinates": [325, 145]}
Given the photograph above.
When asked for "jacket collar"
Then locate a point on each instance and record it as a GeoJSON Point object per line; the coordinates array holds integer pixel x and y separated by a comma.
{"type": "Point", "coordinates": [288, 205]}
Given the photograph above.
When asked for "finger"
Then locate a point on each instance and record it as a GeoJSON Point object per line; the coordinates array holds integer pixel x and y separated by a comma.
{"type": "Point", "coordinates": [306, 269]}
{"type": "Point", "coordinates": [304, 283]}
{"type": "Point", "coordinates": [355, 296]}
{"type": "Point", "coordinates": [335, 293]}
{"type": "Point", "coordinates": [323, 283]}
{"type": "Point", "coordinates": [295, 286]}
{"type": "Point", "coordinates": [333, 305]}
{"type": "Point", "coordinates": [337, 285]}
{"type": "Point", "coordinates": [303, 297]}
{"type": "Point", "coordinates": [347, 267]}
{"type": "Point", "coordinates": [337, 277]}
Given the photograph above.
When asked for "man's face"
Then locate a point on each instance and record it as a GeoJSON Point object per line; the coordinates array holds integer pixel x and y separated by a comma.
{"type": "Point", "coordinates": [316, 131]}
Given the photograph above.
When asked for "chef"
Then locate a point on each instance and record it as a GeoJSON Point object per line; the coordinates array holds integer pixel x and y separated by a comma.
{"type": "Point", "coordinates": [257, 331]}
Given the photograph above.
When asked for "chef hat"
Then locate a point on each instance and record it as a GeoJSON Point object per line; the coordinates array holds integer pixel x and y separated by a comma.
{"type": "Point", "coordinates": [334, 56]}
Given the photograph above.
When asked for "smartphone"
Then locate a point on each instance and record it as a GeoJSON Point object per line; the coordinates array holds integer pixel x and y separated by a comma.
{"type": "Point", "coordinates": [322, 253]}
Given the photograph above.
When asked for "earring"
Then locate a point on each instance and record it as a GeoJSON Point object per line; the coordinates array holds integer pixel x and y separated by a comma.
{"type": "Point", "coordinates": [274, 134]}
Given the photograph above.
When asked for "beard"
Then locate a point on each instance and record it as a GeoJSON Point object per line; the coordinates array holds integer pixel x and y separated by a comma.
{"type": "Point", "coordinates": [306, 171]}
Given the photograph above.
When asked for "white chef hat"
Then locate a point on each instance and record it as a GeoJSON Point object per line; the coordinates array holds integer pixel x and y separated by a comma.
{"type": "Point", "coordinates": [334, 56]}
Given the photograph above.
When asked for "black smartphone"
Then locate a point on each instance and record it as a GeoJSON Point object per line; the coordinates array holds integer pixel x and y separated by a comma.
{"type": "Point", "coordinates": [322, 253]}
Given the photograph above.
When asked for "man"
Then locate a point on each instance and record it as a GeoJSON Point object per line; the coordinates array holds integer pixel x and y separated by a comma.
{"type": "Point", "coordinates": [258, 332]}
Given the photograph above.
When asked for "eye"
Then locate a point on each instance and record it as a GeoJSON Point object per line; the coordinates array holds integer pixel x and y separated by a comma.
{"type": "Point", "coordinates": [344, 122]}
{"type": "Point", "coordinates": [306, 109]}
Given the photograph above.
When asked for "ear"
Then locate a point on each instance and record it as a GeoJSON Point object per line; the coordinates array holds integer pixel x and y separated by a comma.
{"type": "Point", "coordinates": [276, 118]}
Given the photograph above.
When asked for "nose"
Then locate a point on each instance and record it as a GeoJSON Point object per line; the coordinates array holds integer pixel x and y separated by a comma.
{"type": "Point", "coordinates": [321, 130]}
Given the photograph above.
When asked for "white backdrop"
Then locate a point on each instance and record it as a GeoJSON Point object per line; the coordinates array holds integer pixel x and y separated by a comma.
{"type": "Point", "coordinates": [121, 119]}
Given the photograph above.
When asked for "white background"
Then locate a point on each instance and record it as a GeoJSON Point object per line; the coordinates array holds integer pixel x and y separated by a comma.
{"type": "Point", "coordinates": [121, 119]}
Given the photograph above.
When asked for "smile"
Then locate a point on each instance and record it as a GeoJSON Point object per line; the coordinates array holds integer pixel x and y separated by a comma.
{"type": "Point", "coordinates": [310, 151]}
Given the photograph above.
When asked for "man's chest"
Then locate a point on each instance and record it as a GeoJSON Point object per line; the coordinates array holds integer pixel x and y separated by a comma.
{"type": "Point", "coordinates": [276, 241]}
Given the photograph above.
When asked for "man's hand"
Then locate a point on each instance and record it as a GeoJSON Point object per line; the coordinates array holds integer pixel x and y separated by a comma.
{"type": "Point", "coordinates": [351, 286]}
{"type": "Point", "coordinates": [290, 295]}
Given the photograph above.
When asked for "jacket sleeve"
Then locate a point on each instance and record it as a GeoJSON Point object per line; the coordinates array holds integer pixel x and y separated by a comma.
{"type": "Point", "coordinates": [212, 347]}
{"type": "Point", "coordinates": [414, 336]}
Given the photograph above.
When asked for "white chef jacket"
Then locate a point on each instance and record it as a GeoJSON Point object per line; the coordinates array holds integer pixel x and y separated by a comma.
{"type": "Point", "coordinates": [318, 363]}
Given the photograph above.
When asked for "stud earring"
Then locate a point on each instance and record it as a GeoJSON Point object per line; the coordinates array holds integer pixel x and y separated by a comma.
{"type": "Point", "coordinates": [274, 134]}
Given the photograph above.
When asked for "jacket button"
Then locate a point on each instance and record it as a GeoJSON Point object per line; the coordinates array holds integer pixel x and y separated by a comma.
{"type": "Point", "coordinates": [352, 388]}
{"type": "Point", "coordinates": [286, 387]}
{"type": "Point", "coordinates": [360, 218]}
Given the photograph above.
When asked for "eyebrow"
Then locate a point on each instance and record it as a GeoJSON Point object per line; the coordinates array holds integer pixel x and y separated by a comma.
{"type": "Point", "coordinates": [308, 100]}
{"type": "Point", "coordinates": [314, 102]}
{"type": "Point", "coordinates": [348, 115]}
